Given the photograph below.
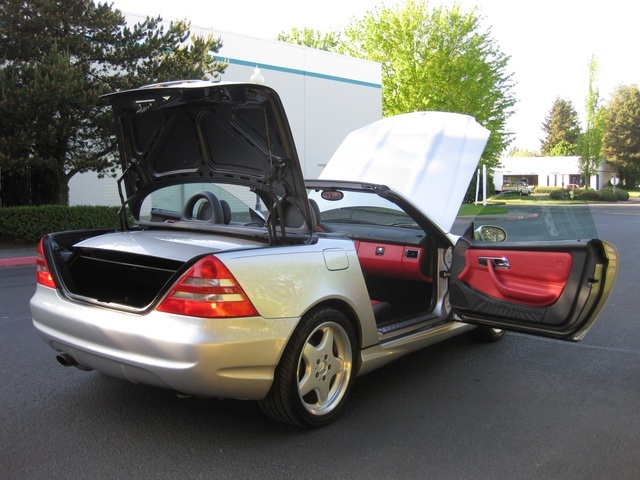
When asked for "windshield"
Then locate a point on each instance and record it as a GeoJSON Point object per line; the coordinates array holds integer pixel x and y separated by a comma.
{"type": "Point", "coordinates": [359, 208]}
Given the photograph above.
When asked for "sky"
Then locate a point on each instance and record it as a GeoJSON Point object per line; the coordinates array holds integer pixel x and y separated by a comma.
{"type": "Point", "coordinates": [550, 42]}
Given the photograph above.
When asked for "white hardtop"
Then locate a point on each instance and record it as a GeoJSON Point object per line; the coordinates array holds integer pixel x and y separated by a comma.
{"type": "Point", "coordinates": [429, 157]}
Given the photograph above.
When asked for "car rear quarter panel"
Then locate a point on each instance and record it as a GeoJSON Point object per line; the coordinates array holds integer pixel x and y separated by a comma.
{"type": "Point", "coordinates": [289, 281]}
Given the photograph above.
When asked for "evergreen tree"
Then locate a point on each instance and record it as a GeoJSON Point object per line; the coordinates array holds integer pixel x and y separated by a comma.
{"type": "Point", "coordinates": [562, 130]}
{"type": "Point", "coordinates": [56, 58]}
{"type": "Point", "coordinates": [622, 134]}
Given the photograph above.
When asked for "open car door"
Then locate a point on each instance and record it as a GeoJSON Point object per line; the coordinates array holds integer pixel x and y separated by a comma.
{"type": "Point", "coordinates": [537, 269]}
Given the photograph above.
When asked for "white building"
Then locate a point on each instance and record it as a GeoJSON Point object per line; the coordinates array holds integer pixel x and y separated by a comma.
{"type": "Point", "coordinates": [548, 172]}
{"type": "Point", "coordinates": [326, 96]}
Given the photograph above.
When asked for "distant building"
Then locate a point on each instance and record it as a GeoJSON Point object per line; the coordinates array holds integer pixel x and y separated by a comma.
{"type": "Point", "coordinates": [548, 172]}
{"type": "Point", "coordinates": [326, 96]}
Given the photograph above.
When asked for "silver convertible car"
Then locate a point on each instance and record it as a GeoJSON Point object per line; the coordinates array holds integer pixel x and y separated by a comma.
{"type": "Point", "coordinates": [238, 279]}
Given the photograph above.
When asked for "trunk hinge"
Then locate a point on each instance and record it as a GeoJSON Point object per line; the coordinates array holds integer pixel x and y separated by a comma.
{"type": "Point", "coordinates": [122, 212]}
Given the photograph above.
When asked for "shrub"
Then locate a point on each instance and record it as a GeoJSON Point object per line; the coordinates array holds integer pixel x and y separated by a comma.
{"type": "Point", "coordinates": [559, 194]}
{"type": "Point", "coordinates": [608, 195]}
{"type": "Point", "coordinates": [546, 189]}
{"type": "Point", "coordinates": [588, 195]}
{"type": "Point", "coordinates": [619, 194]}
{"type": "Point", "coordinates": [29, 224]}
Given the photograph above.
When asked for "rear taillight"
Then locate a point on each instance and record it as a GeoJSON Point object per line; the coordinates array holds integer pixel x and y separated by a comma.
{"type": "Point", "coordinates": [43, 275]}
{"type": "Point", "coordinates": [208, 290]}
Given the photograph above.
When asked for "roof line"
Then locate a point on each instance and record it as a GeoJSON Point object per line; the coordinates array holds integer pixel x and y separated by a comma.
{"type": "Point", "coordinates": [294, 71]}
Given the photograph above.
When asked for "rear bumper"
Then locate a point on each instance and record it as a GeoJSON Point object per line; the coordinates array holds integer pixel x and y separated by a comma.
{"type": "Point", "coordinates": [229, 358]}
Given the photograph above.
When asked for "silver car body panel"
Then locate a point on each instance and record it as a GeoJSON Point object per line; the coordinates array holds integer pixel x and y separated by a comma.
{"type": "Point", "coordinates": [174, 245]}
{"type": "Point", "coordinates": [384, 353]}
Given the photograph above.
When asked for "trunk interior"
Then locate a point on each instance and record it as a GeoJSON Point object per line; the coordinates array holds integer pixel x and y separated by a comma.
{"type": "Point", "coordinates": [111, 277]}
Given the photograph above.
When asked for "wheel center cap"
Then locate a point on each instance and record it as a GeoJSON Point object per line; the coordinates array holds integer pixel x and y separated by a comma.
{"type": "Point", "coordinates": [322, 367]}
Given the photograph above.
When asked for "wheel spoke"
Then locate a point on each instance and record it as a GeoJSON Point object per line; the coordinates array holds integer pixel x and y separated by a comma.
{"type": "Point", "coordinates": [321, 366]}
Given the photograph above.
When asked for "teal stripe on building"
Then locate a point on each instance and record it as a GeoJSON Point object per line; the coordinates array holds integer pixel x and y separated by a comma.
{"type": "Point", "coordinates": [262, 66]}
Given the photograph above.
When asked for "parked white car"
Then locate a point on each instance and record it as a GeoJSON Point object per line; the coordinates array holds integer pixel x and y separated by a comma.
{"type": "Point", "coordinates": [521, 188]}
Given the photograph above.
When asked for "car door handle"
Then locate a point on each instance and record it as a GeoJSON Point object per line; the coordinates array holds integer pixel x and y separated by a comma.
{"type": "Point", "coordinates": [497, 262]}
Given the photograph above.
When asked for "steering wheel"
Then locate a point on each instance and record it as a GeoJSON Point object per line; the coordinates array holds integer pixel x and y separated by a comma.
{"type": "Point", "coordinates": [209, 208]}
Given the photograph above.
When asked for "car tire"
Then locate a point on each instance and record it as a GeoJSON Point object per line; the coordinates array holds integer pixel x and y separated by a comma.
{"type": "Point", "coordinates": [315, 374]}
{"type": "Point", "coordinates": [487, 334]}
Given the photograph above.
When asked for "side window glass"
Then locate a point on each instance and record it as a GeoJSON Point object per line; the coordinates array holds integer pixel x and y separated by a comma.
{"type": "Point", "coordinates": [533, 222]}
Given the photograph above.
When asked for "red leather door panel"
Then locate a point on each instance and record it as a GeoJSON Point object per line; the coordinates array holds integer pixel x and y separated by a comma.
{"type": "Point", "coordinates": [528, 278]}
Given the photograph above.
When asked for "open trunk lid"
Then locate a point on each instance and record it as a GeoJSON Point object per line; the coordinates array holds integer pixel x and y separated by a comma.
{"type": "Point", "coordinates": [190, 131]}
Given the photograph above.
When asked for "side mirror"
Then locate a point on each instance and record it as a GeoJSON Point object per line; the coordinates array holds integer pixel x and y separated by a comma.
{"type": "Point", "coordinates": [490, 233]}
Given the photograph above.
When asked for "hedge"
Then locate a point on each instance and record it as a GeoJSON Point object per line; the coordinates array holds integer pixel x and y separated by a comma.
{"type": "Point", "coordinates": [546, 189]}
{"type": "Point", "coordinates": [29, 224]}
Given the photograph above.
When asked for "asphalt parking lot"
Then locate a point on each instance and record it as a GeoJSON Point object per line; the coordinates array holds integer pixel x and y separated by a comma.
{"type": "Point", "coordinates": [522, 408]}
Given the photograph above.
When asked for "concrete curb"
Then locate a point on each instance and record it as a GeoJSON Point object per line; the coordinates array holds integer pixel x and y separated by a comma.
{"type": "Point", "coordinates": [17, 261]}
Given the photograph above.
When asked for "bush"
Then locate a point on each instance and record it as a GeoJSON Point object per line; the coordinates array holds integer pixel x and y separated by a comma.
{"type": "Point", "coordinates": [559, 194]}
{"type": "Point", "coordinates": [588, 195]}
{"type": "Point", "coordinates": [29, 224]}
{"type": "Point", "coordinates": [608, 196]}
{"type": "Point", "coordinates": [549, 190]}
{"type": "Point", "coordinates": [619, 194]}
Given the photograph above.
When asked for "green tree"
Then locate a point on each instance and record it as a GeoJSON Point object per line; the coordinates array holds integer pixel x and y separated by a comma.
{"type": "Point", "coordinates": [437, 59]}
{"type": "Point", "coordinates": [622, 134]}
{"type": "Point", "coordinates": [562, 149]}
{"type": "Point", "coordinates": [56, 58]}
{"type": "Point", "coordinates": [308, 37]}
{"type": "Point", "coordinates": [590, 141]}
{"type": "Point", "coordinates": [516, 152]}
{"type": "Point", "coordinates": [562, 130]}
